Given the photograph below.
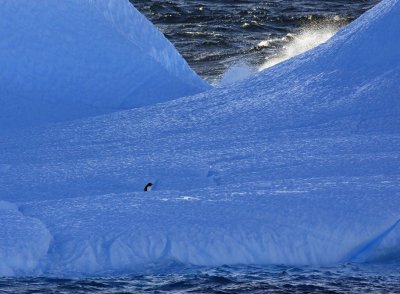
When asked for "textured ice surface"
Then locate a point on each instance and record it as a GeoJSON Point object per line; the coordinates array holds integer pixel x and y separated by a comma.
{"type": "Point", "coordinates": [69, 59]}
{"type": "Point", "coordinates": [297, 165]}
{"type": "Point", "coordinates": [276, 225]}
{"type": "Point", "coordinates": [23, 241]}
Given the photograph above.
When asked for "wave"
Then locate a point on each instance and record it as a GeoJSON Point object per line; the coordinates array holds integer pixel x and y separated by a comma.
{"type": "Point", "coordinates": [289, 46]}
{"type": "Point", "coordinates": [307, 39]}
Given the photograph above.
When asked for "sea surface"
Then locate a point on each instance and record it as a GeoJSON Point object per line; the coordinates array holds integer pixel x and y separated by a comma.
{"type": "Point", "coordinates": [350, 278]}
{"type": "Point", "coordinates": [213, 36]}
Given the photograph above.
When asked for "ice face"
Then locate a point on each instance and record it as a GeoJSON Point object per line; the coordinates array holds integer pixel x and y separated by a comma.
{"type": "Point", "coordinates": [297, 226]}
{"type": "Point", "coordinates": [78, 58]}
{"type": "Point", "coordinates": [24, 241]}
{"type": "Point", "coordinates": [297, 165]}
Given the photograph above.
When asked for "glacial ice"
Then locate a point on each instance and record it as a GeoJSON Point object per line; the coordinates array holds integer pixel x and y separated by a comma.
{"type": "Point", "coordinates": [24, 241]}
{"type": "Point", "coordinates": [71, 59]}
{"type": "Point", "coordinates": [296, 165]}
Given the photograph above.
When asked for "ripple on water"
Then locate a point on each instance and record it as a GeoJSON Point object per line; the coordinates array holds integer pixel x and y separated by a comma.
{"type": "Point", "coordinates": [225, 32]}
{"type": "Point", "coordinates": [226, 279]}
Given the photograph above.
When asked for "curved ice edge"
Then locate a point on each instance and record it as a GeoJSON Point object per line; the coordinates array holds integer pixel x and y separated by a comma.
{"type": "Point", "coordinates": [24, 241]}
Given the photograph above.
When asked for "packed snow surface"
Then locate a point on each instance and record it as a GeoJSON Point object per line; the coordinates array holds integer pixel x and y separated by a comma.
{"type": "Point", "coordinates": [68, 59]}
{"type": "Point", "coordinates": [298, 164]}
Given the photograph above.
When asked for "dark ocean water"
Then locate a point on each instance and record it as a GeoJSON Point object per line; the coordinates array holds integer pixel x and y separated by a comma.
{"type": "Point", "coordinates": [214, 34]}
{"type": "Point", "coordinates": [250, 279]}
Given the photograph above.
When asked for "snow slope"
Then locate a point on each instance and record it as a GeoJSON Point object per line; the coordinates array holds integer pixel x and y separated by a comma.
{"type": "Point", "coordinates": [69, 59]}
{"type": "Point", "coordinates": [296, 165]}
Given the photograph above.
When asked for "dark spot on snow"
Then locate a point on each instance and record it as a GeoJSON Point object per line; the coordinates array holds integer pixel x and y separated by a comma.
{"type": "Point", "coordinates": [148, 187]}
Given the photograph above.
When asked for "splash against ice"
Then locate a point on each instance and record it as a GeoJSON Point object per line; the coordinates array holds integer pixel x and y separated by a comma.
{"type": "Point", "coordinates": [295, 44]}
{"type": "Point", "coordinates": [306, 39]}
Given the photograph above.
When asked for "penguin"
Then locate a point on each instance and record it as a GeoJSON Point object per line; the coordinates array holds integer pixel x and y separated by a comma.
{"type": "Point", "coordinates": [147, 188]}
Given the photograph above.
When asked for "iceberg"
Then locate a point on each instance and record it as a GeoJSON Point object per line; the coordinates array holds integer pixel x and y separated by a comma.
{"type": "Point", "coordinates": [66, 60]}
{"type": "Point", "coordinates": [297, 165]}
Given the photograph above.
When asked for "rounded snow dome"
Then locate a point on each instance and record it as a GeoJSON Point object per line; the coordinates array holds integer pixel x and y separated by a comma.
{"type": "Point", "coordinates": [68, 59]}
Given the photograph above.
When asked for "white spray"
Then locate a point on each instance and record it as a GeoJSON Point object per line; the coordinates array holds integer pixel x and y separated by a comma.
{"type": "Point", "coordinates": [307, 39]}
